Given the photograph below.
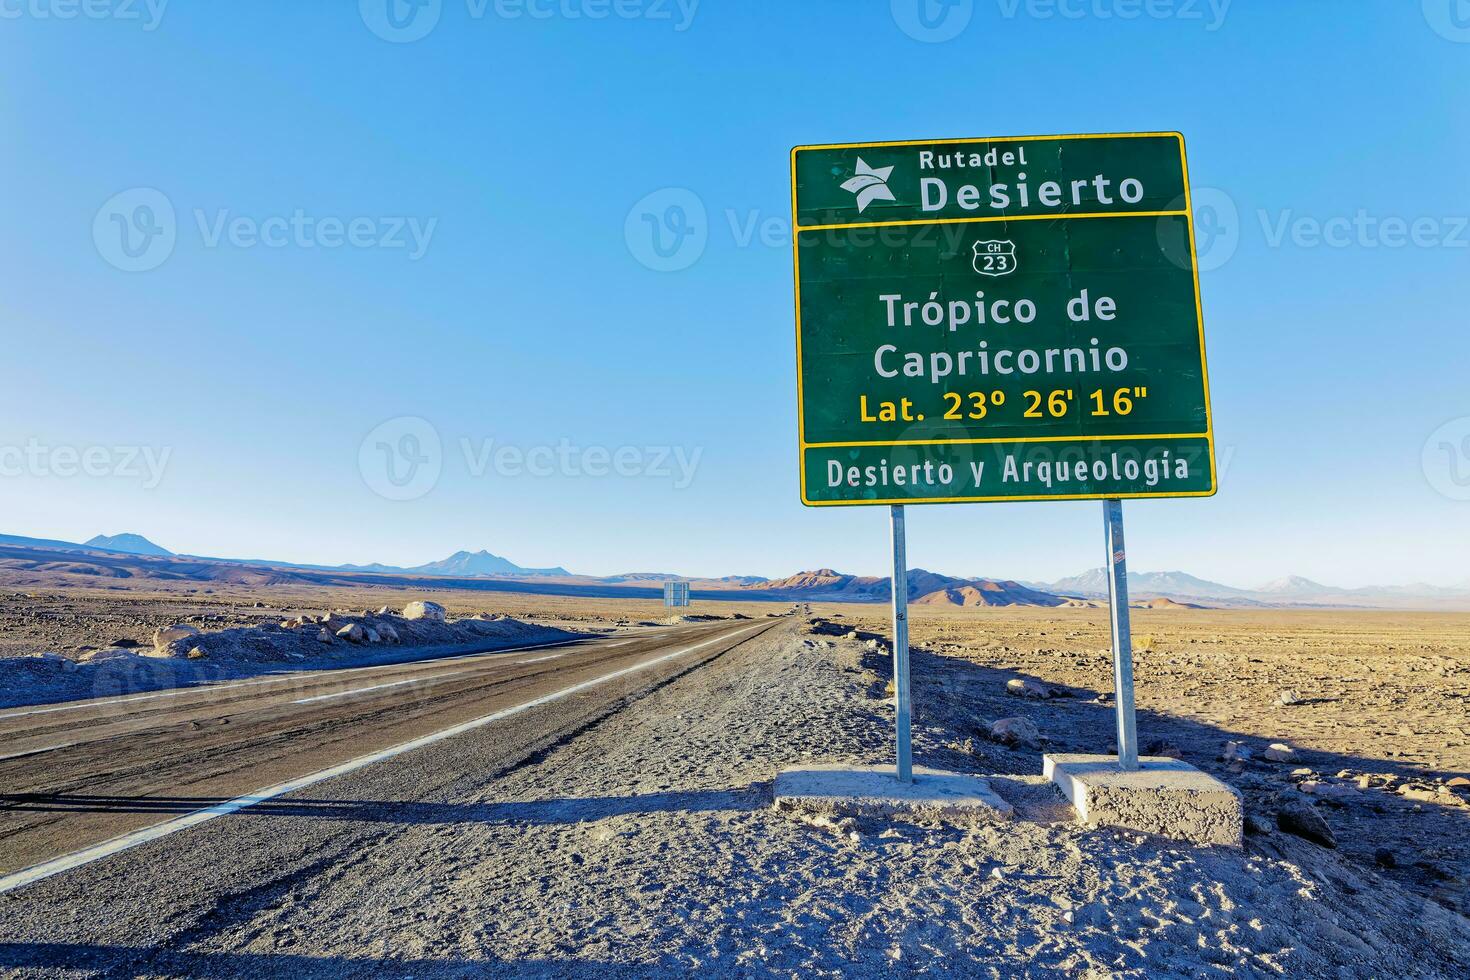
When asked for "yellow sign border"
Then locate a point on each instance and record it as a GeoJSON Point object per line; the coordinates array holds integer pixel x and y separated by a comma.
{"type": "Point", "coordinates": [1188, 214]}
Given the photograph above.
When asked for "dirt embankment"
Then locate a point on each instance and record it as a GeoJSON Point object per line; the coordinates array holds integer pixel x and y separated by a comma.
{"type": "Point", "coordinates": [183, 654]}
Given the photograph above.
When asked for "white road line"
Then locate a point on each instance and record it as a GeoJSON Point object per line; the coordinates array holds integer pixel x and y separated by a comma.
{"type": "Point", "coordinates": [75, 706]}
{"type": "Point", "coordinates": [378, 687]}
{"type": "Point", "coordinates": [97, 852]}
{"type": "Point", "coordinates": [226, 686]}
{"type": "Point", "coordinates": [537, 660]}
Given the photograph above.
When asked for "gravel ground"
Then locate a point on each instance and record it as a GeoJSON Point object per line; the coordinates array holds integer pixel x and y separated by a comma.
{"type": "Point", "coordinates": [645, 845]}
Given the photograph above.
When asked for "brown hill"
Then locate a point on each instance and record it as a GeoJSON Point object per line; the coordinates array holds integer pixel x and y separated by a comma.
{"type": "Point", "coordinates": [1164, 603]}
{"type": "Point", "coordinates": [985, 592]}
{"type": "Point", "coordinates": [925, 587]}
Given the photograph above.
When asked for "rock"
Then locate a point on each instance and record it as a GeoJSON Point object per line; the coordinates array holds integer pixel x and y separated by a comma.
{"type": "Point", "coordinates": [198, 653]}
{"type": "Point", "coordinates": [110, 655]}
{"type": "Point", "coordinates": [1385, 858]}
{"type": "Point", "coordinates": [52, 659]}
{"type": "Point", "coordinates": [1235, 752]}
{"type": "Point", "coordinates": [1459, 783]}
{"type": "Point", "coordinates": [388, 633]}
{"type": "Point", "coordinates": [1015, 731]}
{"type": "Point", "coordinates": [353, 633]}
{"type": "Point", "coordinates": [1303, 820]}
{"type": "Point", "coordinates": [1288, 698]}
{"type": "Point", "coordinates": [386, 611]}
{"type": "Point", "coordinates": [1335, 791]}
{"type": "Point", "coordinates": [324, 636]}
{"type": "Point", "coordinates": [373, 636]}
{"type": "Point", "coordinates": [1027, 688]}
{"type": "Point", "coordinates": [424, 610]}
{"type": "Point", "coordinates": [1162, 748]}
{"type": "Point", "coordinates": [165, 635]}
{"type": "Point", "coordinates": [1258, 825]}
{"type": "Point", "coordinates": [1280, 752]}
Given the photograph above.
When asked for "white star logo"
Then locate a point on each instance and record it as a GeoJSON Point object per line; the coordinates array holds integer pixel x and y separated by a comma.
{"type": "Point", "coordinates": [869, 185]}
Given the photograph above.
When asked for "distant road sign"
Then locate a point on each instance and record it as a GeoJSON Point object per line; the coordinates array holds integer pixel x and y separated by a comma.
{"type": "Point", "coordinates": [676, 593]}
{"type": "Point", "coordinates": [999, 319]}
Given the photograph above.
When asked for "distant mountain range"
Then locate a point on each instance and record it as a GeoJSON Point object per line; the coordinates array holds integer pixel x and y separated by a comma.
{"type": "Point", "coordinates": [924, 587]}
{"type": "Point", "coordinates": [461, 564]}
{"type": "Point", "coordinates": [1292, 590]}
{"type": "Point", "coordinates": [33, 561]}
{"type": "Point", "coordinates": [133, 544]}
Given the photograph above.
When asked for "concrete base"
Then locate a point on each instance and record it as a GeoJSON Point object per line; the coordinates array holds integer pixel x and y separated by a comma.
{"type": "Point", "coordinates": [874, 791]}
{"type": "Point", "coordinates": [1163, 796]}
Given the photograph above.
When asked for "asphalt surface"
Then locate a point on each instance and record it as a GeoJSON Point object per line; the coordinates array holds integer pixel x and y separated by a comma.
{"type": "Point", "coordinates": [187, 780]}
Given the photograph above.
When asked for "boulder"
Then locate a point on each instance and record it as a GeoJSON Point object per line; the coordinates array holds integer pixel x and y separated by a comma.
{"type": "Point", "coordinates": [1235, 752]}
{"type": "Point", "coordinates": [424, 610]}
{"type": "Point", "coordinates": [372, 635]}
{"type": "Point", "coordinates": [166, 635]}
{"type": "Point", "coordinates": [1303, 820]}
{"type": "Point", "coordinates": [352, 633]}
{"type": "Point", "coordinates": [1258, 825]}
{"type": "Point", "coordinates": [1015, 731]}
{"type": "Point", "coordinates": [52, 659]}
{"type": "Point", "coordinates": [1280, 752]}
{"type": "Point", "coordinates": [198, 653]}
{"type": "Point", "coordinates": [1028, 688]}
{"type": "Point", "coordinates": [324, 636]}
{"type": "Point", "coordinates": [388, 633]}
{"type": "Point", "coordinates": [386, 611]}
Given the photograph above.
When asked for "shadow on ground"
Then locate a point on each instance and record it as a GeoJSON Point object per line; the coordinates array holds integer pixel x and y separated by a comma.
{"type": "Point", "coordinates": [552, 811]}
{"type": "Point", "coordinates": [1424, 846]}
{"type": "Point", "coordinates": [127, 961]}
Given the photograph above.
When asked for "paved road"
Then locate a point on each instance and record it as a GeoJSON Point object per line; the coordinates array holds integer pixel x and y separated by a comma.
{"type": "Point", "coordinates": [86, 786]}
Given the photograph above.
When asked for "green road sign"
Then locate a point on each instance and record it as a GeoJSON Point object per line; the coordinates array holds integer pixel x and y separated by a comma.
{"type": "Point", "coordinates": [999, 319]}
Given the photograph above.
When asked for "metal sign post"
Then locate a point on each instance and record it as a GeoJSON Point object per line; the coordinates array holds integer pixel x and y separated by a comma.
{"type": "Point", "coordinates": [901, 699]}
{"type": "Point", "coordinates": [1117, 567]}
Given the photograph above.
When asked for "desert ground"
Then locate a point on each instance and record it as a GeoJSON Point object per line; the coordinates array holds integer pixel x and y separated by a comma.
{"type": "Point", "coordinates": [640, 841]}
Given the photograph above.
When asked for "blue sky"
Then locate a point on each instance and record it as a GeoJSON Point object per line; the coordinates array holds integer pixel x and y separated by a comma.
{"type": "Point", "coordinates": [449, 229]}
